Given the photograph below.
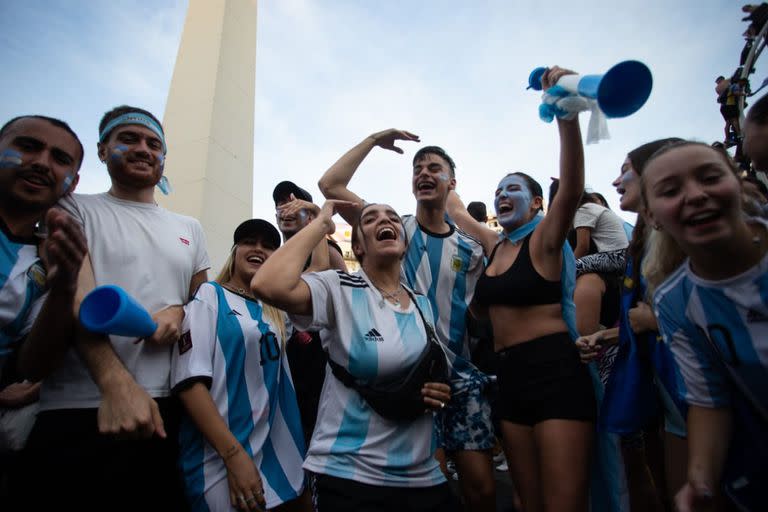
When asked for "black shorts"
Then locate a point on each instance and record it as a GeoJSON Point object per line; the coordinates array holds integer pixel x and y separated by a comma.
{"type": "Point", "coordinates": [544, 379]}
{"type": "Point", "coordinates": [729, 112]}
{"type": "Point", "coordinates": [331, 494]}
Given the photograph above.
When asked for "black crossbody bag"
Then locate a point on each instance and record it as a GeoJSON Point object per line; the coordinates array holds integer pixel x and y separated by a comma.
{"type": "Point", "coordinates": [400, 399]}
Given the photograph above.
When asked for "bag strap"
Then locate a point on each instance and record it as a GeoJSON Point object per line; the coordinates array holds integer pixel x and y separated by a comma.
{"type": "Point", "coordinates": [739, 383]}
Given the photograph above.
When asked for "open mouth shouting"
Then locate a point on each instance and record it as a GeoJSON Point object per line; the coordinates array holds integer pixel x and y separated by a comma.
{"type": "Point", "coordinates": [386, 233]}
{"type": "Point", "coordinates": [256, 259]}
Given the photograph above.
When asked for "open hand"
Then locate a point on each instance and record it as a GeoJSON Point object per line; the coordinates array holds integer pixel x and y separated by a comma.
{"type": "Point", "coordinates": [386, 139]}
{"type": "Point", "coordinates": [295, 207]}
{"type": "Point", "coordinates": [64, 248]}
{"type": "Point", "coordinates": [330, 207]}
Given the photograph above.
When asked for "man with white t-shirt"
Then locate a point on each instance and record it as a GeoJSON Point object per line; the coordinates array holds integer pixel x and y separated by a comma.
{"type": "Point", "coordinates": [107, 433]}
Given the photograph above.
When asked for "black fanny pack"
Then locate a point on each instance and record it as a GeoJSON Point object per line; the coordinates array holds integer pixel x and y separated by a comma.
{"type": "Point", "coordinates": [400, 399]}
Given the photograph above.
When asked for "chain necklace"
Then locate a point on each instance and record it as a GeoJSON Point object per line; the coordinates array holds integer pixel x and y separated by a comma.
{"type": "Point", "coordinates": [241, 291]}
{"type": "Point", "coordinates": [394, 296]}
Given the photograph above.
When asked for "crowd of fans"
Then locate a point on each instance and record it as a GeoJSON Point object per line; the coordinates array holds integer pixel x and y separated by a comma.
{"type": "Point", "coordinates": [619, 367]}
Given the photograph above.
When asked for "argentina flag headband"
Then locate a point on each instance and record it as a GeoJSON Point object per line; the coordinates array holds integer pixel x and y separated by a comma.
{"type": "Point", "coordinates": [134, 118]}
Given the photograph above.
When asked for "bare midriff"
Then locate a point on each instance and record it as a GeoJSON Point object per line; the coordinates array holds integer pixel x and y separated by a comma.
{"type": "Point", "coordinates": [513, 325]}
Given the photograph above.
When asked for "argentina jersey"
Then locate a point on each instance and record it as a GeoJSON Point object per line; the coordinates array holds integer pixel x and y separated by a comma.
{"type": "Point", "coordinates": [711, 322]}
{"type": "Point", "coordinates": [372, 339]}
{"type": "Point", "coordinates": [230, 346]}
{"type": "Point", "coordinates": [22, 284]}
{"type": "Point", "coordinates": [445, 268]}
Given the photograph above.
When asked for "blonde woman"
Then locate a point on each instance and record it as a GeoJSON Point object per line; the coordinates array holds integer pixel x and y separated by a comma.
{"type": "Point", "coordinates": [241, 441]}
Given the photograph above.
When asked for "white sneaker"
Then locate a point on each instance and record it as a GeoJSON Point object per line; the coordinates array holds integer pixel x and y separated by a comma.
{"type": "Point", "coordinates": [503, 466]}
{"type": "Point", "coordinates": [499, 458]}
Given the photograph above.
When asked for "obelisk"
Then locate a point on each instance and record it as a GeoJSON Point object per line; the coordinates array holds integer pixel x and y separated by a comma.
{"type": "Point", "coordinates": [209, 120]}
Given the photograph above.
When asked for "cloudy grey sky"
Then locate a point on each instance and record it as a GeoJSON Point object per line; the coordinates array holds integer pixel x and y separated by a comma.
{"type": "Point", "coordinates": [330, 72]}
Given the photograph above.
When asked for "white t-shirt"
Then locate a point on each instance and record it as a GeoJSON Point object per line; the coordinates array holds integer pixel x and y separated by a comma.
{"type": "Point", "coordinates": [230, 345]}
{"type": "Point", "coordinates": [152, 254]}
{"type": "Point", "coordinates": [371, 339]}
{"type": "Point", "coordinates": [607, 228]}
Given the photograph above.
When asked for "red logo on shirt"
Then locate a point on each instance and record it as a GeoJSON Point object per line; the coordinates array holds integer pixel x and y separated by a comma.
{"type": "Point", "coordinates": [184, 241]}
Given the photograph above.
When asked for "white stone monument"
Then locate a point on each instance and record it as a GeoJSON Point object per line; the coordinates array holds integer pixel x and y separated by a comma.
{"type": "Point", "coordinates": [209, 120]}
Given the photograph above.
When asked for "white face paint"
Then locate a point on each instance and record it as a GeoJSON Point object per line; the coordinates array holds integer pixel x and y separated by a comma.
{"type": "Point", "coordinates": [512, 202]}
{"type": "Point", "coordinates": [443, 176]}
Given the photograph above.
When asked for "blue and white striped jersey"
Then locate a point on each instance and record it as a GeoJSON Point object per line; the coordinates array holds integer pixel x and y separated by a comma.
{"type": "Point", "coordinates": [230, 345]}
{"type": "Point", "coordinates": [22, 286]}
{"type": "Point", "coordinates": [696, 315]}
{"type": "Point", "coordinates": [372, 339]}
{"type": "Point", "coordinates": [445, 268]}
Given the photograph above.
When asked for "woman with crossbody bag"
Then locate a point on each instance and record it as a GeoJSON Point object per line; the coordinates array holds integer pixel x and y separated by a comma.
{"type": "Point", "coordinates": [363, 454]}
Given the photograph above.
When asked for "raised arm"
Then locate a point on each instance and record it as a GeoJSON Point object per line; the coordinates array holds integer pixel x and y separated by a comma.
{"type": "Point", "coordinates": [278, 281]}
{"type": "Point", "coordinates": [54, 328]}
{"type": "Point", "coordinates": [333, 184]}
{"type": "Point", "coordinates": [459, 214]}
{"type": "Point", "coordinates": [555, 225]}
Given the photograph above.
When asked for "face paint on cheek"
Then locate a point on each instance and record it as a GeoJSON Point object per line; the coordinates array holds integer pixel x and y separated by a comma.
{"type": "Point", "coordinates": [303, 216]}
{"type": "Point", "coordinates": [68, 181]}
{"type": "Point", "coordinates": [118, 153]}
{"type": "Point", "coordinates": [9, 159]}
{"type": "Point", "coordinates": [161, 162]}
{"type": "Point", "coordinates": [443, 177]}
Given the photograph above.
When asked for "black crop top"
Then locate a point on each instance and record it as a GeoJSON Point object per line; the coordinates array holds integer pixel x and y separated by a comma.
{"type": "Point", "coordinates": [520, 285]}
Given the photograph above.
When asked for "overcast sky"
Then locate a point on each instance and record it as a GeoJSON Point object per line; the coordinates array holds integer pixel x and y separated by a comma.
{"type": "Point", "coordinates": [331, 72]}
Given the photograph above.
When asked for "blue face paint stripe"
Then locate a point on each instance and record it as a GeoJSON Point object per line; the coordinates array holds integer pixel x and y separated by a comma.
{"type": "Point", "coordinates": [10, 158]}
{"type": "Point", "coordinates": [232, 344]}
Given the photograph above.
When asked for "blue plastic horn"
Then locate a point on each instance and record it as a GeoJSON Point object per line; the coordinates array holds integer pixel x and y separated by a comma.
{"type": "Point", "coordinates": [620, 92]}
{"type": "Point", "coordinates": [110, 310]}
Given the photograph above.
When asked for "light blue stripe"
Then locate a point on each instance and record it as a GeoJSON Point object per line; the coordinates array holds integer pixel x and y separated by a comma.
{"type": "Point", "coordinates": [351, 436]}
{"type": "Point", "coordinates": [14, 327]}
{"type": "Point", "coordinates": [191, 445]}
{"type": "Point", "coordinates": [9, 255]}
{"type": "Point", "coordinates": [458, 300]}
{"type": "Point", "coordinates": [273, 472]}
{"type": "Point", "coordinates": [740, 351]}
{"type": "Point", "coordinates": [363, 355]}
{"type": "Point", "coordinates": [400, 455]}
{"type": "Point", "coordinates": [290, 409]}
{"type": "Point", "coordinates": [435, 258]}
{"type": "Point", "coordinates": [413, 255]}
{"type": "Point", "coordinates": [412, 339]}
{"type": "Point", "coordinates": [231, 340]}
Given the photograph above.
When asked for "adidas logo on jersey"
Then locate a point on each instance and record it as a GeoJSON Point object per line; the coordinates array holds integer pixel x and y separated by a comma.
{"type": "Point", "coordinates": [374, 335]}
{"type": "Point", "coordinates": [756, 316]}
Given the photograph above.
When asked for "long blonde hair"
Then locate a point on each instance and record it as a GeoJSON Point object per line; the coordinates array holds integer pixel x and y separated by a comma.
{"type": "Point", "coordinates": [276, 317]}
{"type": "Point", "coordinates": [663, 254]}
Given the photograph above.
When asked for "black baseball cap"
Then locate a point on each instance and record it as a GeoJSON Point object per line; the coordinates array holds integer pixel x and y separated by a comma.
{"type": "Point", "coordinates": [259, 229]}
{"type": "Point", "coordinates": [284, 189]}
